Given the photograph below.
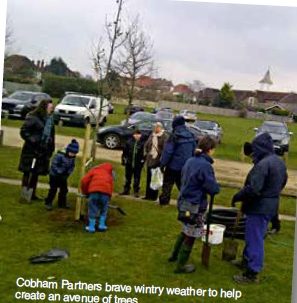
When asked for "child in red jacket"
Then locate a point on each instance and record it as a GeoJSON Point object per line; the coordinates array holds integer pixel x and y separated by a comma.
{"type": "Point", "coordinates": [97, 184]}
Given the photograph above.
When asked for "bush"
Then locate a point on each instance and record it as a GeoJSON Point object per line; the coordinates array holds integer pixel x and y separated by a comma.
{"type": "Point", "coordinates": [242, 113]}
{"type": "Point", "coordinates": [56, 86]}
{"type": "Point", "coordinates": [19, 79]}
{"type": "Point", "coordinates": [280, 112]}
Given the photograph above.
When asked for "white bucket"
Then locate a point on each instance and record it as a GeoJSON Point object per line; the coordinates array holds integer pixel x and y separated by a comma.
{"type": "Point", "coordinates": [216, 233]}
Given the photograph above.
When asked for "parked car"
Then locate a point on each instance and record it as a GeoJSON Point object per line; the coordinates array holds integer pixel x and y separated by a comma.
{"type": "Point", "coordinates": [115, 136]}
{"type": "Point", "coordinates": [79, 109]}
{"type": "Point", "coordinates": [189, 116]}
{"type": "Point", "coordinates": [131, 109]}
{"type": "Point", "coordinates": [19, 103]}
{"type": "Point", "coordinates": [211, 128]}
{"type": "Point", "coordinates": [279, 133]}
{"type": "Point", "coordinates": [141, 116]}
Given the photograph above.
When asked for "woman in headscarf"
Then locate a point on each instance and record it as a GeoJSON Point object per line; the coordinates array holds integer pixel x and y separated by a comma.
{"type": "Point", "coordinates": [153, 150]}
{"type": "Point", "coordinates": [38, 132]}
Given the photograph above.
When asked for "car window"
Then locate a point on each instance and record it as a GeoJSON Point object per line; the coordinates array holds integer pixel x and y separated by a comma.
{"type": "Point", "coordinates": [276, 129]}
{"type": "Point", "coordinates": [92, 104]}
{"type": "Point", "coordinates": [146, 125]}
{"type": "Point", "coordinates": [38, 98]}
{"type": "Point", "coordinates": [76, 101]}
{"type": "Point", "coordinates": [21, 96]}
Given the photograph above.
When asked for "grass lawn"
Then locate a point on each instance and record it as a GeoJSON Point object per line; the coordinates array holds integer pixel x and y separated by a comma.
{"type": "Point", "coordinates": [236, 132]}
{"type": "Point", "coordinates": [134, 251]}
{"type": "Point", "coordinates": [9, 157]}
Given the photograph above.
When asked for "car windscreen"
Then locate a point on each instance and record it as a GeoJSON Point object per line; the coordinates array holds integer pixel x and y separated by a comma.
{"type": "Point", "coordinates": [76, 101]}
{"type": "Point", "coordinates": [165, 115]}
{"type": "Point", "coordinates": [205, 125]}
{"type": "Point", "coordinates": [21, 96]}
{"type": "Point", "coordinates": [274, 129]}
{"type": "Point", "coordinates": [142, 115]}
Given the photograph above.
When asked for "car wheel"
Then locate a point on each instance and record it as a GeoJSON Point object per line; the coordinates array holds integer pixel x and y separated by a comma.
{"type": "Point", "coordinates": [112, 141]}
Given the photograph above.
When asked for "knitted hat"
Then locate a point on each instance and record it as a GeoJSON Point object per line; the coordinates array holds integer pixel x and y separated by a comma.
{"type": "Point", "coordinates": [72, 147]}
{"type": "Point", "coordinates": [178, 121]}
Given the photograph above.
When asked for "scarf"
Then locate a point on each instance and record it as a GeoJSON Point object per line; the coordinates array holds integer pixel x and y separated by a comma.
{"type": "Point", "coordinates": [154, 152]}
{"type": "Point", "coordinates": [46, 135]}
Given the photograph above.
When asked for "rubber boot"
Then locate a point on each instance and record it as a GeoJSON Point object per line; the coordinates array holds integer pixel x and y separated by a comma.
{"type": "Point", "coordinates": [91, 227]}
{"type": "Point", "coordinates": [102, 225]}
{"type": "Point", "coordinates": [178, 243]}
{"type": "Point", "coordinates": [183, 257]}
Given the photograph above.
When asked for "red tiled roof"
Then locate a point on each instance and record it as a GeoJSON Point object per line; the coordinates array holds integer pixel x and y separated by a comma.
{"type": "Point", "coordinates": [182, 89]}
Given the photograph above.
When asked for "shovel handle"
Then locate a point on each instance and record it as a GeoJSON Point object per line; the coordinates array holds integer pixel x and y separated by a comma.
{"type": "Point", "coordinates": [208, 218]}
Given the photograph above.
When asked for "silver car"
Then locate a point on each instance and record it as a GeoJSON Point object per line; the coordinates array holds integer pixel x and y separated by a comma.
{"type": "Point", "coordinates": [279, 133]}
{"type": "Point", "coordinates": [211, 128]}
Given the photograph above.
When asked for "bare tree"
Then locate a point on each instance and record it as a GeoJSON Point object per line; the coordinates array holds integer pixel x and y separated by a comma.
{"type": "Point", "coordinates": [8, 36]}
{"type": "Point", "coordinates": [196, 86]}
{"type": "Point", "coordinates": [102, 57]}
{"type": "Point", "coordinates": [135, 57]}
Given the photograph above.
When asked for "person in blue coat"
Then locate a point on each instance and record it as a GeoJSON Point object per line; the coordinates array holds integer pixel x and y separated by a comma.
{"type": "Point", "coordinates": [198, 181]}
{"type": "Point", "coordinates": [179, 147]}
{"type": "Point", "coordinates": [260, 201]}
{"type": "Point", "coordinates": [61, 168]}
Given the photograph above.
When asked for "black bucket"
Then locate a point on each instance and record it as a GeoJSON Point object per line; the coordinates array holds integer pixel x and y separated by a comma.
{"type": "Point", "coordinates": [228, 217]}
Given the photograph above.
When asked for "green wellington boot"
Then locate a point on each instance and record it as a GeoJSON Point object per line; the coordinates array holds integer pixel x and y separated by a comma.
{"type": "Point", "coordinates": [183, 257]}
{"type": "Point", "coordinates": [178, 243]}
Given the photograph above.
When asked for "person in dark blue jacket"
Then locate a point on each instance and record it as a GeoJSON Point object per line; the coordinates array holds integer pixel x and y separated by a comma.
{"type": "Point", "coordinates": [61, 168]}
{"type": "Point", "coordinates": [178, 149]}
{"type": "Point", "coordinates": [198, 181]}
{"type": "Point", "coordinates": [260, 201]}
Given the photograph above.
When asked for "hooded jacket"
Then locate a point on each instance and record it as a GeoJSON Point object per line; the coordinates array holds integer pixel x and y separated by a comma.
{"type": "Point", "coordinates": [62, 164]}
{"type": "Point", "coordinates": [265, 181]}
{"type": "Point", "coordinates": [198, 180]}
{"type": "Point", "coordinates": [98, 180]}
{"type": "Point", "coordinates": [178, 149]}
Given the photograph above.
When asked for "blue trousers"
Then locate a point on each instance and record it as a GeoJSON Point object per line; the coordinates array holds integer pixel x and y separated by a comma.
{"type": "Point", "coordinates": [255, 230]}
{"type": "Point", "coordinates": [98, 202]}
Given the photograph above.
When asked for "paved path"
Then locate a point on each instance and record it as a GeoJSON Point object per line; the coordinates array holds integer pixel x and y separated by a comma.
{"type": "Point", "coordinates": [231, 173]}
{"type": "Point", "coordinates": [74, 190]}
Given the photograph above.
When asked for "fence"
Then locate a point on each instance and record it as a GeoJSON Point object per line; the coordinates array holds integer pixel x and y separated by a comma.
{"type": "Point", "coordinates": [221, 111]}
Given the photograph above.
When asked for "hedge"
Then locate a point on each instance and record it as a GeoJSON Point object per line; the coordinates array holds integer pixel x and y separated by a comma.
{"type": "Point", "coordinates": [280, 112]}
{"type": "Point", "coordinates": [56, 86]}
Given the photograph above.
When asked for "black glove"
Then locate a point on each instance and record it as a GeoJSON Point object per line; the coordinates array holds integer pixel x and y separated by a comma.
{"type": "Point", "coordinates": [123, 161]}
{"type": "Point", "coordinates": [236, 198]}
{"type": "Point", "coordinates": [162, 168]}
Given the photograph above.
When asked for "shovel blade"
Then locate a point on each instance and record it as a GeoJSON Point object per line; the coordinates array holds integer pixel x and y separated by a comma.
{"type": "Point", "coordinates": [230, 250]}
{"type": "Point", "coordinates": [26, 194]}
{"type": "Point", "coordinates": [205, 256]}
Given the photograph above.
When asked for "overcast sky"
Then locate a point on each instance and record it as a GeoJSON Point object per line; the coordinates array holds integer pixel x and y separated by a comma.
{"type": "Point", "coordinates": [213, 43]}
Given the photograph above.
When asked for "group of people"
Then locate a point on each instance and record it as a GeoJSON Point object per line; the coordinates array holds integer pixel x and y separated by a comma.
{"type": "Point", "coordinates": [169, 153]}
{"type": "Point", "coordinates": [182, 162]}
{"type": "Point", "coordinates": [259, 196]}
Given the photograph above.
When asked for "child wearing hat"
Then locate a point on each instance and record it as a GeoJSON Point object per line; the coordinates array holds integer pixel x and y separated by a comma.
{"type": "Point", "coordinates": [61, 168]}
